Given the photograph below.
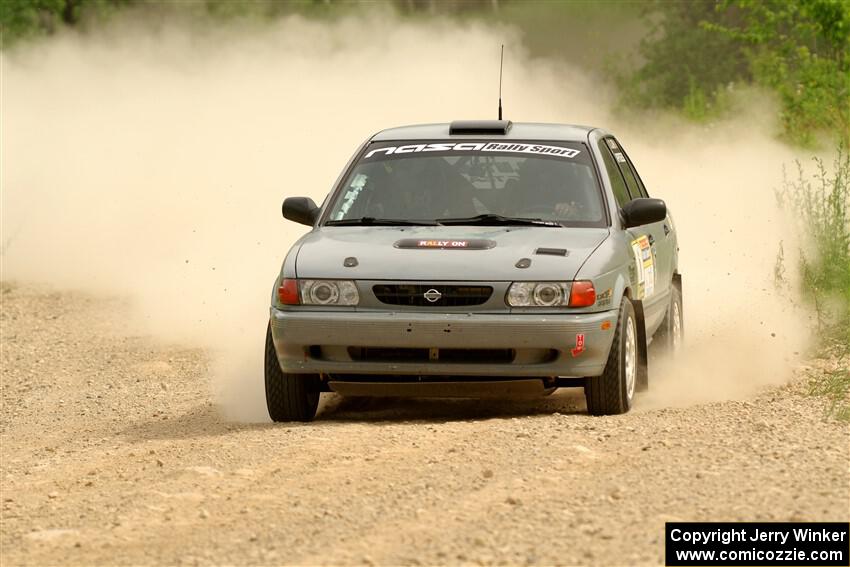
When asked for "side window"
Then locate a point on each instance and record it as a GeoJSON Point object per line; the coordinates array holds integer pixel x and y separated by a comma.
{"type": "Point", "coordinates": [625, 169]}
{"type": "Point", "coordinates": [636, 187]}
{"type": "Point", "coordinates": [643, 192]}
{"type": "Point", "coordinates": [618, 184]}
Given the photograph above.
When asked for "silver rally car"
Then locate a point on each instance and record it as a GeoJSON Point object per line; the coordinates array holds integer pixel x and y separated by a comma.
{"type": "Point", "coordinates": [475, 259]}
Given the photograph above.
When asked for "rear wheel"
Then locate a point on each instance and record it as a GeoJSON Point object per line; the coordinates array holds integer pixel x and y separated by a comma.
{"type": "Point", "coordinates": [289, 397]}
{"type": "Point", "coordinates": [613, 391]}
{"type": "Point", "coordinates": [672, 331]}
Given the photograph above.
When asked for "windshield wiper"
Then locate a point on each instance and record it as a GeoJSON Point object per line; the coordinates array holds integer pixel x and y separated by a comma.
{"type": "Point", "coordinates": [490, 219]}
{"type": "Point", "coordinates": [372, 221]}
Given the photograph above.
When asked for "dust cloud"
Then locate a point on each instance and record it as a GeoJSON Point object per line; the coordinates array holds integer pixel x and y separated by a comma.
{"type": "Point", "coordinates": [151, 161]}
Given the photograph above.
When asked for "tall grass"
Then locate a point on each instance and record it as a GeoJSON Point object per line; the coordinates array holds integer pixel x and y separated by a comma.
{"type": "Point", "coordinates": [820, 203]}
{"type": "Point", "coordinates": [834, 385]}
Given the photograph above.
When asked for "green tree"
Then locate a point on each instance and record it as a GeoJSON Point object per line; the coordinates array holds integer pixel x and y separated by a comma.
{"type": "Point", "coordinates": [799, 50]}
{"type": "Point", "coordinates": [685, 65]}
{"type": "Point", "coordinates": [22, 18]}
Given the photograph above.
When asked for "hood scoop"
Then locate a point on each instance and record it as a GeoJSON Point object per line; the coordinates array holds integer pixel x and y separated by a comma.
{"type": "Point", "coordinates": [447, 244]}
{"type": "Point", "coordinates": [552, 251]}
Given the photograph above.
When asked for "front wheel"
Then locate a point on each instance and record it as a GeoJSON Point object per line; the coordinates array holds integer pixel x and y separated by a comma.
{"type": "Point", "coordinates": [613, 391]}
{"type": "Point", "coordinates": [289, 397]}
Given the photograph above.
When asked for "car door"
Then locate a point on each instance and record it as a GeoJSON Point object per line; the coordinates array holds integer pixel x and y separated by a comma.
{"type": "Point", "coordinates": [651, 244]}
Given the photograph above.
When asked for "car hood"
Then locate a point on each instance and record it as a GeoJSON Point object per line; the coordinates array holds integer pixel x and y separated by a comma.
{"type": "Point", "coordinates": [472, 253]}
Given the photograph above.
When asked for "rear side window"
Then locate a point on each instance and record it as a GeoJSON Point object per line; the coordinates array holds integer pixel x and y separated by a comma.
{"type": "Point", "coordinates": [641, 186]}
{"type": "Point", "coordinates": [636, 188]}
{"type": "Point", "coordinates": [617, 182]}
{"type": "Point", "coordinates": [624, 167]}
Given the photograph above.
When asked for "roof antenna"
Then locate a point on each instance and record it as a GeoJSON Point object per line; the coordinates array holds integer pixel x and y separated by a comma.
{"type": "Point", "coordinates": [501, 63]}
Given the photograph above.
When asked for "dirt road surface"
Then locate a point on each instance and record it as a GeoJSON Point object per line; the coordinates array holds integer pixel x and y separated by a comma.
{"type": "Point", "coordinates": [114, 453]}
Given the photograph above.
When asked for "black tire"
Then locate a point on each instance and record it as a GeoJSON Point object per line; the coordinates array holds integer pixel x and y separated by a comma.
{"type": "Point", "coordinates": [608, 394]}
{"type": "Point", "coordinates": [289, 397]}
{"type": "Point", "coordinates": [665, 337]}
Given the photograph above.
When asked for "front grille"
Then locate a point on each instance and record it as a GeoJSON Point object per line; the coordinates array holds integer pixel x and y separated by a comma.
{"type": "Point", "coordinates": [445, 355]}
{"type": "Point", "coordinates": [417, 295]}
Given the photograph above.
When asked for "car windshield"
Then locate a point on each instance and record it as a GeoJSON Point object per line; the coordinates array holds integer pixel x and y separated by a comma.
{"type": "Point", "coordinates": [471, 182]}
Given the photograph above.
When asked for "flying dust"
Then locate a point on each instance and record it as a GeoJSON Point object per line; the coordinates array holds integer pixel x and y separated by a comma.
{"type": "Point", "coordinates": [151, 162]}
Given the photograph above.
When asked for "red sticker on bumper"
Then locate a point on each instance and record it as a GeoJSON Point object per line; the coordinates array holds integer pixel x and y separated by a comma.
{"type": "Point", "coordinates": [579, 345]}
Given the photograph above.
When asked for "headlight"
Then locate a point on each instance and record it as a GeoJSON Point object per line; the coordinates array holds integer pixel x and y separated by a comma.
{"type": "Point", "coordinates": [328, 292]}
{"type": "Point", "coordinates": [539, 294]}
{"type": "Point", "coordinates": [317, 292]}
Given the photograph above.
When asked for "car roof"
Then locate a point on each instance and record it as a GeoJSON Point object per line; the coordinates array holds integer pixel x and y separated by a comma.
{"type": "Point", "coordinates": [517, 131]}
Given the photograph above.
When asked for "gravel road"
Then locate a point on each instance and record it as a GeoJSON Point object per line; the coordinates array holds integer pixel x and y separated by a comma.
{"type": "Point", "coordinates": [114, 453]}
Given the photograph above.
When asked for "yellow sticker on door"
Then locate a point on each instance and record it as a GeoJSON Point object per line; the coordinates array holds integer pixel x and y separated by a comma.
{"type": "Point", "coordinates": [645, 264]}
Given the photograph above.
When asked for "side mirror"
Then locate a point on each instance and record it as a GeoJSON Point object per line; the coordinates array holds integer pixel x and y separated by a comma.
{"type": "Point", "coordinates": [638, 212]}
{"type": "Point", "coordinates": [302, 210]}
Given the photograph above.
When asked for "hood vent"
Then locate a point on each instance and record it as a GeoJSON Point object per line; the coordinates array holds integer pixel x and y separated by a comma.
{"type": "Point", "coordinates": [551, 251]}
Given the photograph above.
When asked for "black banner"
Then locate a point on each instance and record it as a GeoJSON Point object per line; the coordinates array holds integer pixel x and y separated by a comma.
{"type": "Point", "coordinates": [757, 543]}
{"type": "Point", "coordinates": [445, 244]}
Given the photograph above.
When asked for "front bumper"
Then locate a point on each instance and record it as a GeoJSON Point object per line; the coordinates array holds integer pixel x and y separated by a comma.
{"type": "Point", "coordinates": [543, 345]}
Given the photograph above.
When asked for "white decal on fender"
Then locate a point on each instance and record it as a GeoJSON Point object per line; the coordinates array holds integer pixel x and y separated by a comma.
{"type": "Point", "coordinates": [645, 264]}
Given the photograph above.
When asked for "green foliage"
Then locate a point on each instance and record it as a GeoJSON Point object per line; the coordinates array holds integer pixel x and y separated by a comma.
{"type": "Point", "coordinates": [834, 383]}
{"type": "Point", "coordinates": [684, 65]}
{"type": "Point", "coordinates": [815, 96]}
{"type": "Point", "coordinates": [270, 9]}
{"type": "Point", "coordinates": [22, 18]}
{"type": "Point", "coordinates": [585, 34]}
{"type": "Point", "coordinates": [821, 205]}
{"type": "Point", "coordinates": [700, 106]}
{"type": "Point", "coordinates": [799, 50]}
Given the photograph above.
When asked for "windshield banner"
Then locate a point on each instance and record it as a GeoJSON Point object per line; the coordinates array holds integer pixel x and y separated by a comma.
{"type": "Point", "coordinates": [503, 147]}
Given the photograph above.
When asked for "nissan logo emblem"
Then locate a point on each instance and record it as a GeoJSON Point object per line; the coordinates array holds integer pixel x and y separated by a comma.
{"type": "Point", "coordinates": [432, 295]}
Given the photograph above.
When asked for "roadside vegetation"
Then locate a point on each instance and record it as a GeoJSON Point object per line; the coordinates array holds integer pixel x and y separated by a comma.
{"type": "Point", "coordinates": [834, 384]}
{"type": "Point", "coordinates": [819, 201]}
{"type": "Point", "coordinates": [698, 53]}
